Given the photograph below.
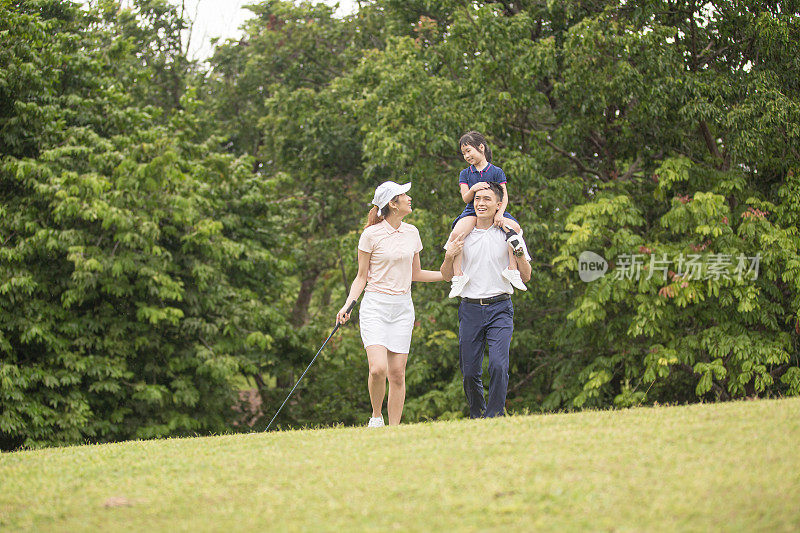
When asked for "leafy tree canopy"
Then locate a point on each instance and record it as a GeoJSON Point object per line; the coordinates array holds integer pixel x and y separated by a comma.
{"type": "Point", "coordinates": [173, 234]}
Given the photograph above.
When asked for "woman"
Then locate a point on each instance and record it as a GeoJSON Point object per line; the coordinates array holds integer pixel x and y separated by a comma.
{"type": "Point", "coordinates": [388, 261]}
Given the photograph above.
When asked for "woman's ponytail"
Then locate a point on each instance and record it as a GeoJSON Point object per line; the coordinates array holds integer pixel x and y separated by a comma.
{"type": "Point", "coordinates": [376, 216]}
{"type": "Point", "coordinates": [373, 217]}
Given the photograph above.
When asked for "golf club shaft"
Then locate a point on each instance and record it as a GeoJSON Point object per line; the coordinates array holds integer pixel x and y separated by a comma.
{"type": "Point", "coordinates": [335, 328]}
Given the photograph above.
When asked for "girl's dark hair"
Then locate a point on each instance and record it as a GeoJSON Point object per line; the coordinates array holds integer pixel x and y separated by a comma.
{"type": "Point", "coordinates": [476, 139]}
{"type": "Point", "coordinates": [376, 215]}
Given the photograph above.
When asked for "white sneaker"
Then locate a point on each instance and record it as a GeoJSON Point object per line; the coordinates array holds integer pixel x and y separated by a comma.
{"type": "Point", "coordinates": [376, 422]}
{"type": "Point", "coordinates": [457, 285]}
{"type": "Point", "coordinates": [515, 279]}
{"type": "Point", "coordinates": [515, 242]}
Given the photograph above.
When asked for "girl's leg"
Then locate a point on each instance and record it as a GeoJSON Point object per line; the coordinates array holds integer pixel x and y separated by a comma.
{"type": "Point", "coordinates": [512, 260]}
{"type": "Point", "coordinates": [378, 368]}
{"type": "Point", "coordinates": [463, 227]}
{"type": "Point", "coordinates": [397, 386]}
{"type": "Point", "coordinates": [512, 225]}
{"type": "Point", "coordinates": [512, 272]}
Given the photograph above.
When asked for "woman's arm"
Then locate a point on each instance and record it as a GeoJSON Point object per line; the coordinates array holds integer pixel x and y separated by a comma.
{"type": "Point", "coordinates": [417, 274]}
{"type": "Point", "coordinates": [358, 285]}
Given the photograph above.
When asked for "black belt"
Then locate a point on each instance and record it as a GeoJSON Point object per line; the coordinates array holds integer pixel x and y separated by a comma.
{"type": "Point", "coordinates": [487, 301]}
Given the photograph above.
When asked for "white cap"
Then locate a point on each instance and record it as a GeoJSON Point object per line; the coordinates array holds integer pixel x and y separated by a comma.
{"type": "Point", "coordinates": [388, 190]}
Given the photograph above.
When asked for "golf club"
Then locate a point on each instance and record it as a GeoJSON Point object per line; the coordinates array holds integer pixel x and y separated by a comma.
{"type": "Point", "coordinates": [349, 309]}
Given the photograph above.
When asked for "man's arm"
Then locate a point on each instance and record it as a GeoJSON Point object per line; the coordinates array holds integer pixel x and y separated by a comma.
{"type": "Point", "coordinates": [454, 248]}
{"type": "Point", "coordinates": [524, 267]}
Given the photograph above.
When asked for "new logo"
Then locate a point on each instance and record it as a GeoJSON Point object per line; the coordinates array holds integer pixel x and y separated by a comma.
{"type": "Point", "coordinates": [591, 266]}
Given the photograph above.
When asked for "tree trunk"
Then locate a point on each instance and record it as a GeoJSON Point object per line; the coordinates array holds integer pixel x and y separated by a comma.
{"type": "Point", "coordinates": [300, 310]}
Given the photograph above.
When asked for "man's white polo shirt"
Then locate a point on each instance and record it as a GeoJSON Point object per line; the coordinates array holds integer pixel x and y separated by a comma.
{"type": "Point", "coordinates": [483, 259]}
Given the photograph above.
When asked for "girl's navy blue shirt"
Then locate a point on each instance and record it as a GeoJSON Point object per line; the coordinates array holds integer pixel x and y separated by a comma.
{"type": "Point", "coordinates": [471, 176]}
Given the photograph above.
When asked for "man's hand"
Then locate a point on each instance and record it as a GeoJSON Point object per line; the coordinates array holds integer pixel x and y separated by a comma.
{"type": "Point", "coordinates": [454, 247]}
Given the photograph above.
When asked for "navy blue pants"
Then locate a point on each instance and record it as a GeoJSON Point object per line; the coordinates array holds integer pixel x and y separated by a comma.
{"type": "Point", "coordinates": [486, 327]}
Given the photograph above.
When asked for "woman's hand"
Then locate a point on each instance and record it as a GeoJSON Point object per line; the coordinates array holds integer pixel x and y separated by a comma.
{"type": "Point", "coordinates": [343, 316]}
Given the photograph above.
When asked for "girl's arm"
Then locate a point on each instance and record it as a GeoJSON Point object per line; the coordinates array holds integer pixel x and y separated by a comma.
{"type": "Point", "coordinates": [468, 193]}
{"type": "Point", "coordinates": [504, 203]}
{"type": "Point", "coordinates": [499, 220]}
{"type": "Point", "coordinates": [417, 274]}
{"type": "Point", "coordinates": [358, 285]}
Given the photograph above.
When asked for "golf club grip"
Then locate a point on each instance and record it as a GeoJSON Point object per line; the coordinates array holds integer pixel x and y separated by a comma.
{"type": "Point", "coordinates": [347, 312]}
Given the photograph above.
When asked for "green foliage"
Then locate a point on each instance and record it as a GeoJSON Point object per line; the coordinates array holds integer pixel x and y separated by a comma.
{"type": "Point", "coordinates": [135, 279]}
{"type": "Point", "coordinates": [170, 233]}
{"type": "Point", "coordinates": [732, 336]}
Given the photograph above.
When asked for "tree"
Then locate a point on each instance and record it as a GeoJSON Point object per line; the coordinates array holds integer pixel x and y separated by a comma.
{"type": "Point", "coordinates": [585, 104]}
{"type": "Point", "coordinates": [135, 287]}
{"type": "Point", "coordinates": [277, 98]}
{"type": "Point", "coordinates": [168, 233]}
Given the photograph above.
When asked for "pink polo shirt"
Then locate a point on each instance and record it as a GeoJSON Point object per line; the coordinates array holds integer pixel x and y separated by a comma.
{"type": "Point", "coordinates": [392, 256]}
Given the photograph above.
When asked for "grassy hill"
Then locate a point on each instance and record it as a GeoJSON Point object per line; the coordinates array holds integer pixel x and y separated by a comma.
{"type": "Point", "coordinates": [731, 467]}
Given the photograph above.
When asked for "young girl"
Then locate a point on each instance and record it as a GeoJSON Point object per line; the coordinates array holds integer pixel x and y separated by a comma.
{"type": "Point", "coordinates": [477, 153]}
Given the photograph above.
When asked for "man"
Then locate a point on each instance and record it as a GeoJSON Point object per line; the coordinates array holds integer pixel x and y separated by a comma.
{"type": "Point", "coordinates": [486, 314]}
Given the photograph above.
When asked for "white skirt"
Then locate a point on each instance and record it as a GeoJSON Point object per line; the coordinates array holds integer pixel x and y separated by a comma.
{"type": "Point", "coordinates": [387, 320]}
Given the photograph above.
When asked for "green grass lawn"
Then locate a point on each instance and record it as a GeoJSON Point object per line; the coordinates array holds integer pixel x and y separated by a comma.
{"type": "Point", "coordinates": [725, 467]}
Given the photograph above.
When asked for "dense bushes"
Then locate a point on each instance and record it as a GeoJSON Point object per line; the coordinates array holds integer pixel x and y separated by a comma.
{"type": "Point", "coordinates": [171, 234]}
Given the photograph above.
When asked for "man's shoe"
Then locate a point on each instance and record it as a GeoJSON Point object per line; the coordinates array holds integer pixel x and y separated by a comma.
{"type": "Point", "coordinates": [376, 422]}
{"type": "Point", "coordinates": [515, 279]}
{"type": "Point", "coordinates": [457, 285]}
{"type": "Point", "coordinates": [515, 242]}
